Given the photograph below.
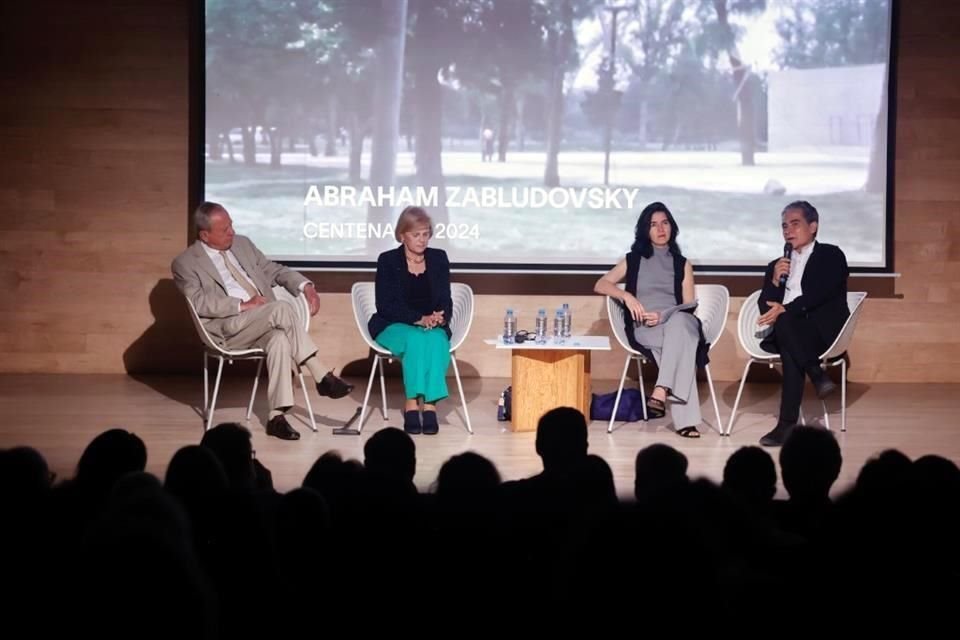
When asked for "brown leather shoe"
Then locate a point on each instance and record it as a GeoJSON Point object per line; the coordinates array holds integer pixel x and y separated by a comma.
{"type": "Point", "coordinates": [280, 428]}
{"type": "Point", "coordinates": [333, 387]}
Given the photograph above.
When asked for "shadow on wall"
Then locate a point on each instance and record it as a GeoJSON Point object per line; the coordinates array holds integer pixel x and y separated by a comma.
{"type": "Point", "coordinates": [170, 344]}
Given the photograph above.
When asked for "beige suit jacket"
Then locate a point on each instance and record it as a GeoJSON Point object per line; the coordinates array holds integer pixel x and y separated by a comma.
{"type": "Point", "coordinates": [197, 278]}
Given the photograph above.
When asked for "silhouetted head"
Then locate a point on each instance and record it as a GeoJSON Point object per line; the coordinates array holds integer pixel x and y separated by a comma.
{"type": "Point", "coordinates": [390, 453]}
{"type": "Point", "coordinates": [882, 475]}
{"type": "Point", "coordinates": [231, 443]}
{"type": "Point", "coordinates": [330, 471]}
{"type": "Point", "coordinates": [336, 479]}
{"type": "Point", "coordinates": [195, 471]}
{"type": "Point", "coordinates": [936, 477]}
{"type": "Point", "coordinates": [137, 558]}
{"type": "Point", "coordinates": [595, 483]}
{"type": "Point", "coordinates": [465, 479]}
{"type": "Point", "coordinates": [751, 475]}
{"type": "Point", "coordinates": [932, 495]}
{"type": "Point", "coordinates": [561, 439]}
{"type": "Point", "coordinates": [659, 469]}
{"type": "Point", "coordinates": [111, 455]}
{"type": "Point", "coordinates": [24, 474]}
{"type": "Point", "coordinates": [810, 462]}
{"type": "Point", "coordinates": [302, 515]}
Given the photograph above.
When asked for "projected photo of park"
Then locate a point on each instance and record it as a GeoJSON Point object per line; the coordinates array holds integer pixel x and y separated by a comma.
{"type": "Point", "coordinates": [534, 131]}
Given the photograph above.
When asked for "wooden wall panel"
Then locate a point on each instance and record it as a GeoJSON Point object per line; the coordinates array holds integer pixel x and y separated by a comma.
{"type": "Point", "coordinates": [93, 181]}
{"type": "Point", "coordinates": [94, 121]}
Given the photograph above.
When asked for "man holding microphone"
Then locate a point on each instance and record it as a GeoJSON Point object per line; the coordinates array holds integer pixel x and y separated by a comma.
{"type": "Point", "coordinates": [804, 300]}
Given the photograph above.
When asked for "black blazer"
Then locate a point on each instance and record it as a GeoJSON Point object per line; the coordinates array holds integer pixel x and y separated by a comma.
{"type": "Point", "coordinates": [824, 299]}
{"type": "Point", "coordinates": [392, 296]}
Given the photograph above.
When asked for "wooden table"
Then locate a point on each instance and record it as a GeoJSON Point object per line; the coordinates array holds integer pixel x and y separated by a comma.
{"type": "Point", "coordinates": [550, 375]}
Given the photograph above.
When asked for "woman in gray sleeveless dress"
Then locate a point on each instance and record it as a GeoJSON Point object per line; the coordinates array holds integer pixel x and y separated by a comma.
{"type": "Point", "coordinates": [659, 278]}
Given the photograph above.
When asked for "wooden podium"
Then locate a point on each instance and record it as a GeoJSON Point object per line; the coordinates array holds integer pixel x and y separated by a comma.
{"type": "Point", "coordinates": [545, 376]}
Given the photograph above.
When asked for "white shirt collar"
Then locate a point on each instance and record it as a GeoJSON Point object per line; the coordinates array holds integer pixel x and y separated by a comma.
{"type": "Point", "coordinates": [210, 250]}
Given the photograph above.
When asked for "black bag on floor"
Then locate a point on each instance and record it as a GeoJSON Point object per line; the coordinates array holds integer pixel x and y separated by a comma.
{"type": "Point", "coordinates": [503, 405]}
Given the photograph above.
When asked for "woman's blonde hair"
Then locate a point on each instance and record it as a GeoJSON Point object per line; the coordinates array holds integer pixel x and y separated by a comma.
{"type": "Point", "coordinates": [410, 218]}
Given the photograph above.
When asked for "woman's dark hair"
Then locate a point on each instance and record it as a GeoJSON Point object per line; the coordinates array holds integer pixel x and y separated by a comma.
{"type": "Point", "coordinates": [641, 242]}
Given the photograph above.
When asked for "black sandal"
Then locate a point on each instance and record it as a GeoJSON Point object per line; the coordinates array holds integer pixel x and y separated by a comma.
{"type": "Point", "coordinates": [655, 408]}
{"type": "Point", "coordinates": [688, 432]}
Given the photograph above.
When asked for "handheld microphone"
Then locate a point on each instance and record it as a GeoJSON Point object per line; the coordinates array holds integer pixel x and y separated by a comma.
{"type": "Point", "coordinates": [787, 248]}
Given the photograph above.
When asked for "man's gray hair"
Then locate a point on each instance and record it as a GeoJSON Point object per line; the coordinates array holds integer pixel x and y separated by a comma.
{"type": "Point", "coordinates": [201, 217]}
{"type": "Point", "coordinates": [810, 213]}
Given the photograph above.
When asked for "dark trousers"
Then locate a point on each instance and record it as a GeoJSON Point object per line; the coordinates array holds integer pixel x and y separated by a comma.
{"type": "Point", "coordinates": [799, 344]}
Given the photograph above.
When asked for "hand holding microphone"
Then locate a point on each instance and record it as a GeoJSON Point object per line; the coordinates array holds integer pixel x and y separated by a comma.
{"type": "Point", "coordinates": [781, 270]}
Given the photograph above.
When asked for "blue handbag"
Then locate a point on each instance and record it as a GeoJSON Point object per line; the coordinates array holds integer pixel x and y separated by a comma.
{"type": "Point", "coordinates": [630, 409]}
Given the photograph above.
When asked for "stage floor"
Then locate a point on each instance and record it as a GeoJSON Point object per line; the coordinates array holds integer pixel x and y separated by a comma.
{"type": "Point", "coordinates": [60, 414]}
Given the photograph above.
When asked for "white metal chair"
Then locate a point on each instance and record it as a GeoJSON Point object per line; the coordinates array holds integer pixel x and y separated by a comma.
{"type": "Point", "coordinates": [712, 309]}
{"type": "Point", "coordinates": [212, 350]}
{"type": "Point", "coordinates": [750, 335]}
{"type": "Point", "coordinates": [363, 295]}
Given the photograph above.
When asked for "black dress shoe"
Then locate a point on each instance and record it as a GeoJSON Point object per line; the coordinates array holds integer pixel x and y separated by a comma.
{"type": "Point", "coordinates": [333, 386]}
{"type": "Point", "coordinates": [411, 422]}
{"type": "Point", "coordinates": [824, 386]}
{"type": "Point", "coordinates": [822, 383]}
{"type": "Point", "coordinates": [430, 424]}
{"type": "Point", "coordinates": [280, 428]}
{"type": "Point", "coordinates": [778, 436]}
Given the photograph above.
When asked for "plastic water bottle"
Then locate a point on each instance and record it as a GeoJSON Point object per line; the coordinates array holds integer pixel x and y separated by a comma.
{"type": "Point", "coordinates": [541, 326]}
{"type": "Point", "coordinates": [502, 408]}
{"type": "Point", "coordinates": [567, 321]}
{"type": "Point", "coordinates": [558, 327]}
{"type": "Point", "coordinates": [509, 327]}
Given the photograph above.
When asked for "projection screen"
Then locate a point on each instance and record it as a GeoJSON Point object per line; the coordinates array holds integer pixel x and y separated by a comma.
{"type": "Point", "coordinates": [535, 131]}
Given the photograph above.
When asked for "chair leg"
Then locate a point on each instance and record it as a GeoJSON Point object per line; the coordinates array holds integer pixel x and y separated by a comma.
{"type": "Point", "coordinates": [256, 381]}
{"type": "Point", "coordinates": [736, 403]}
{"type": "Point", "coordinates": [213, 400]}
{"type": "Point", "coordinates": [383, 392]}
{"type": "Point", "coordinates": [206, 383]}
{"type": "Point", "coordinates": [616, 403]}
{"type": "Point", "coordinates": [366, 395]}
{"type": "Point", "coordinates": [843, 395]}
{"type": "Point", "coordinates": [713, 396]}
{"type": "Point", "coordinates": [823, 403]}
{"type": "Point", "coordinates": [643, 393]}
{"type": "Point", "coordinates": [463, 399]}
{"type": "Point", "coordinates": [306, 401]}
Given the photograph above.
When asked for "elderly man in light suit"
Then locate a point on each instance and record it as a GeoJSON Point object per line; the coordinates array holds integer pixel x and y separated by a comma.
{"type": "Point", "coordinates": [229, 282]}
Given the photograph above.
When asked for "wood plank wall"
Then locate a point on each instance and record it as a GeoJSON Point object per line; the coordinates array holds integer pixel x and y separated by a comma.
{"type": "Point", "coordinates": [94, 122]}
